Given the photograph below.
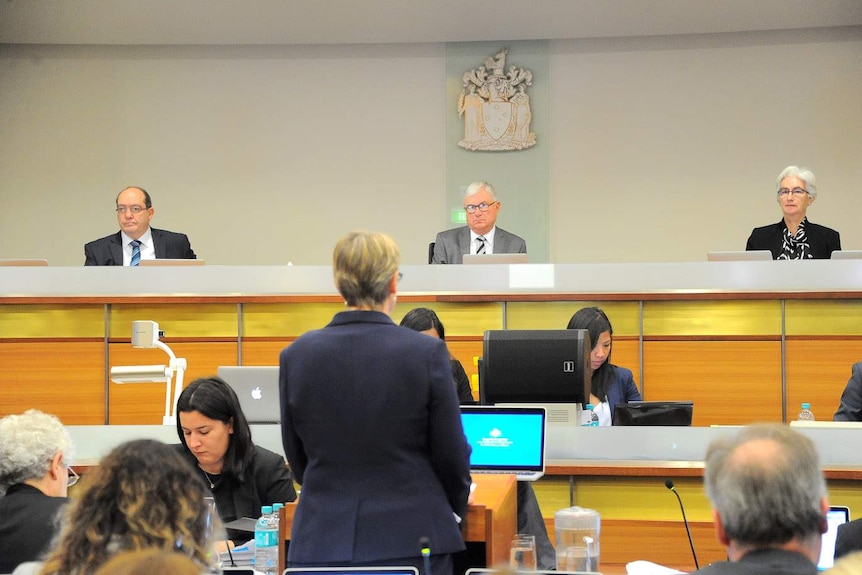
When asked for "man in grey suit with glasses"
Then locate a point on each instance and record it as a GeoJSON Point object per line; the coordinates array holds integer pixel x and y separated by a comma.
{"type": "Point", "coordinates": [481, 234]}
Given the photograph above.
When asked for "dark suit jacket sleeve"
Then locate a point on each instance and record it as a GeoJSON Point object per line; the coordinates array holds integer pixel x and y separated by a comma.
{"type": "Point", "coordinates": [274, 483]}
{"type": "Point", "coordinates": [849, 538]}
{"type": "Point", "coordinates": [450, 453]}
{"type": "Point", "coordinates": [446, 249]}
{"type": "Point", "coordinates": [293, 447]}
{"type": "Point", "coordinates": [172, 245]}
{"type": "Point", "coordinates": [850, 408]}
{"type": "Point", "coordinates": [462, 383]}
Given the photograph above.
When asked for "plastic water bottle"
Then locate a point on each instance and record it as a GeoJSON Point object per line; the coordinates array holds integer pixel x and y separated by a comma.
{"type": "Point", "coordinates": [594, 417]}
{"type": "Point", "coordinates": [266, 542]}
{"type": "Point", "coordinates": [805, 414]}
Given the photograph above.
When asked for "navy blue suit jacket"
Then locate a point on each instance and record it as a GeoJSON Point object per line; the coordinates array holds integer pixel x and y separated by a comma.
{"type": "Point", "coordinates": [108, 251]}
{"type": "Point", "coordinates": [372, 431]}
{"type": "Point", "coordinates": [622, 389]}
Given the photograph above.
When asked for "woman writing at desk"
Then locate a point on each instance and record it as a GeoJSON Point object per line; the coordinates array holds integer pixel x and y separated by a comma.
{"type": "Point", "coordinates": [794, 237]}
{"type": "Point", "coordinates": [611, 384]}
{"type": "Point", "coordinates": [216, 439]}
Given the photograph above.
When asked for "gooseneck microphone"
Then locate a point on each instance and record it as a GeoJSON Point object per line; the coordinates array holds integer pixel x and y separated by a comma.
{"type": "Point", "coordinates": [425, 550]}
{"type": "Point", "coordinates": [669, 484]}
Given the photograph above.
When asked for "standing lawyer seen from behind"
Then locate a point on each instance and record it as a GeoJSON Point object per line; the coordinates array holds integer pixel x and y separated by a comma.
{"type": "Point", "coordinates": [481, 234]}
{"type": "Point", "coordinates": [216, 440]}
{"type": "Point", "coordinates": [35, 454]}
{"type": "Point", "coordinates": [768, 501]}
{"type": "Point", "coordinates": [372, 428]}
{"type": "Point", "coordinates": [794, 237]}
{"type": "Point", "coordinates": [136, 240]}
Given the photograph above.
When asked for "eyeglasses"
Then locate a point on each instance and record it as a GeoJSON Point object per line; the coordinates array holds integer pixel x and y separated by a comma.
{"type": "Point", "coordinates": [795, 192]}
{"type": "Point", "coordinates": [483, 207]}
{"type": "Point", "coordinates": [400, 275]}
{"type": "Point", "coordinates": [73, 477]}
{"type": "Point", "coordinates": [133, 209]}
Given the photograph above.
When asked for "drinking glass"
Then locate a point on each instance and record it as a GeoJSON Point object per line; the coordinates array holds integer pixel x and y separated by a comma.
{"type": "Point", "coordinates": [522, 554]}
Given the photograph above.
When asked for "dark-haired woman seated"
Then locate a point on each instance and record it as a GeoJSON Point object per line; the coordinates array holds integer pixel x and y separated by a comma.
{"type": "Point", "coordinates": [611, 384]}
{"type": "Point", "coordinates": [215, 437]}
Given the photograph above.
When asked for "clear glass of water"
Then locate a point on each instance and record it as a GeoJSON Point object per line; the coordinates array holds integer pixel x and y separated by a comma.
{"type": "Point", "coordinates": [522, 554]}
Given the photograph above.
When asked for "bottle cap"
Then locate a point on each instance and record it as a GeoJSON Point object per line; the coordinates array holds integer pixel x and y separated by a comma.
{"type": "Point", "coordinates": [806, 406]}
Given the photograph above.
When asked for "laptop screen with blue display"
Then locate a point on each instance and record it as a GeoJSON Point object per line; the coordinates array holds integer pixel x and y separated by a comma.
{"type": "Point", "coordinates": [506, 440]}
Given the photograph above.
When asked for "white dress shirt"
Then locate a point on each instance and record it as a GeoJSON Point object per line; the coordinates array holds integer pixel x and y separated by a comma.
{"type": "Point", "coordinates": [148, 250]}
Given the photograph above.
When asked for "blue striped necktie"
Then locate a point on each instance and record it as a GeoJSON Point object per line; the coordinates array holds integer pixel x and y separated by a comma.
{"type": "Point", "coordinates": [136, 252]}
{"type": "Point", "coordinates": [481, 249]}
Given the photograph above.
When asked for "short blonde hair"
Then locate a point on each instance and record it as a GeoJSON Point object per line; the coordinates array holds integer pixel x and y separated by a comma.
{"type": "Point", "coordinates": [363, 264]}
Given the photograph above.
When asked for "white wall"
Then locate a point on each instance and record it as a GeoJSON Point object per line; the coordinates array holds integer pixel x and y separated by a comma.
{"type": "Point", "coordinates": [661, 149]}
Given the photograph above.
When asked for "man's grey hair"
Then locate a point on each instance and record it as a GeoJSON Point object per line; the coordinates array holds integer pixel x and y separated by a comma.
{"type": "Point", "coordinates": [803, 174]}
{"type": "Point", "coordinates": [28, 443]}
{"type": "Point", "coordinates": [769, 497]}
{"type": "Point", "coordinates": [475, 187]}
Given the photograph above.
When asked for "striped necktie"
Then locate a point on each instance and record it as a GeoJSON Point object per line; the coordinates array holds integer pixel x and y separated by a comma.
{"type": "Point", "coordinates": [136, 252]}
{"type": "Point", "coordinates": [481, 249]}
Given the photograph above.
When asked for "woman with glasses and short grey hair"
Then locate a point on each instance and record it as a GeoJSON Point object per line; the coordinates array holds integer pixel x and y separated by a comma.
{"type": "Point", "coordinates": [794, 237]}
{"type": "Point", "coordinates": [35, 454]}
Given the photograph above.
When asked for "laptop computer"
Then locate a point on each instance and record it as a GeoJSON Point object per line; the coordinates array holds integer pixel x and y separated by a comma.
{"type": "Point", "coordinates": [740, 256]}
{"type": "Point", "coordinates": [170, 262]}
{"type": "Point", "coordinates": [676, 413]}
{"type": "Point", "coordinates": [351, 571]}
{"type": "Point", "coordinates": [846, 255]}
{"type": "Point", "coordinates": [506, 439]}
{"type": "Point", "coordinates": [257, 390]}
{"type": "Point", "coordinates": [837, 515]}
{"type": "Point", "coordinates": [470, 259]}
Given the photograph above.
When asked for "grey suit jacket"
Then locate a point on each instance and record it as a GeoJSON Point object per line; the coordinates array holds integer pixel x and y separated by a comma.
{"type": "Point", "coordinates": [108, 251]}
{"type": "Point", "coordinates": [451, 245]}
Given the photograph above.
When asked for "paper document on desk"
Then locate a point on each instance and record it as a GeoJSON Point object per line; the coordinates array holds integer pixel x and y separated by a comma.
{"type": "Point", "coordinates": [242, 555]}
{"type": "Point", "coordinates": [649, 568]}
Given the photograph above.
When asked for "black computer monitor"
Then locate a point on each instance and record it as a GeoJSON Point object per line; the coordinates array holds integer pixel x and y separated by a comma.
{"type": "Point", "coordinates": [675, 413]}
{"type": "Point", "coordinates": [535, 366]}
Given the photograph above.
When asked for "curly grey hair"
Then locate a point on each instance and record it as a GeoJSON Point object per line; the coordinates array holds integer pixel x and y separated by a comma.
{"type": "Point", "coordinates": [28, 443]}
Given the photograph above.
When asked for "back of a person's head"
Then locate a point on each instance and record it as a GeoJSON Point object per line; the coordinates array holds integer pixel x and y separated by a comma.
{"type": "Point", "coordinates": [148, 561]}
{"type": "Point", "coordinates": [28, 443]}
{"type": "Point", "coordinates": [423, 319]}
{"type": "Point", "coordinates": [363, 264]}
{"type": "Point", "coordinates": [142, 495]}
{"type": "Point", "coordinates": [214, 398]}
{"type": "Point", "coordinates": [766, 485]}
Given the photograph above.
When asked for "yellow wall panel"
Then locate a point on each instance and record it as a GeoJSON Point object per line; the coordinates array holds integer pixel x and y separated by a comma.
{"type": "Point", "coordinates": [624, 316]}
{"type": "Point", "coordinates": [712, 318]}
{"type": "Point", "coordinates": [286, 319]}
{"type": "Point", "coordinates": [52, 321]}
{"type": "Point", "coordinates": [66, 379]}
{"type": "Point", "coordinates": [823, 317]}
{"type": "Point", "coordinates": [817, 372]}
{"type": "Point", "coordinates": [730, 382]}
{"type": "Point", "coordinates": [459, 319]}
{"type": "Point", "coordinates": [262, 352]}
{"type": "Point", "coordinates": [177, 320]}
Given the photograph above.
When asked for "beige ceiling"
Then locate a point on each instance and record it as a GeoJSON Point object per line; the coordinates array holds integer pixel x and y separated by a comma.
{"type": "Point", "coordinates": [398, 21]}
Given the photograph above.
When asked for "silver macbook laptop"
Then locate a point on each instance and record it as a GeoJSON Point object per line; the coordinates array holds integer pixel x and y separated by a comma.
{"type": "Point", "coordinates": [837, 515]}
{"type": "Point", "coordinates": [171, 262]}
{"type": "Point", "coordinates": [257, 389]}
{"type": "Point", "coordinates": [742, 256]}
{"type": "Point", "coordinates": [846, 255]}
{"type": "Point", "coordinates": [470, 259]}
{"type": "Point", "coordinates": [506, 439]}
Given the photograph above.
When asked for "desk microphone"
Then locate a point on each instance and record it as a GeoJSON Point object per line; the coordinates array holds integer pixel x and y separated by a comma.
{"type": "Point", "coordinates": [669, 484]}
{"type": "Point", "coordinates": [425, 550]}
{"type": "Point", "coordinates": [229, 554]}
